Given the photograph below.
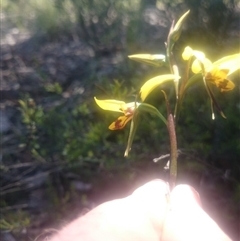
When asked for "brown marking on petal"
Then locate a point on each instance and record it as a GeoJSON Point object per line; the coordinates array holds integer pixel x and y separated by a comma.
{"type": "Point", "coordinates": [223, 84]}
{"type": "Point", "coordinates": [120, 123]}
{"type": "Point", "coordinates": [217, 74]}
{"type": "Point", "coordinates": [218, 77]}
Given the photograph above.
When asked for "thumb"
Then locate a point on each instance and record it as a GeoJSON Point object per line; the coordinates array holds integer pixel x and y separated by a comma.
{"type": "Point", "coordinates": [187, 221]}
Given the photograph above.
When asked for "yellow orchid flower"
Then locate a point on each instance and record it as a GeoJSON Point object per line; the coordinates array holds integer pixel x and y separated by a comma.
{"type": "Point", "coordinates": [118, 106]}
{"type": "Point", "coordinates": [216, 72]}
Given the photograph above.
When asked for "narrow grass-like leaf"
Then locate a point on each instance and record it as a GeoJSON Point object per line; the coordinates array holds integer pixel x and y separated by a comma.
{"type": "Point", "coordinates": [192, 81]}
{"type": "Point", "coordinates": [152, 110]}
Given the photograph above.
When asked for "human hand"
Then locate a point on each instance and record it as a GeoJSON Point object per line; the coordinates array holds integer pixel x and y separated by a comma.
{"type": "Point", "coordinates": [151, 213]}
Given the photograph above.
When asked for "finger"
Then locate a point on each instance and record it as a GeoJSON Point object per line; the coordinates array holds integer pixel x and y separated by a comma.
{"type": "Point", "coordinates": [187, 220]}
{"type": "Point", "coordinates": [136, 217]}
{"type": "Point", "coordinates": [151, 198]}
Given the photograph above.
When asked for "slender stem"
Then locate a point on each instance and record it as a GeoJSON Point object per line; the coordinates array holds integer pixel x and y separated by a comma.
{"type": "Point", "coordinates": [173, 156]}
{"type": "Point", "coordinates": [173, 145]}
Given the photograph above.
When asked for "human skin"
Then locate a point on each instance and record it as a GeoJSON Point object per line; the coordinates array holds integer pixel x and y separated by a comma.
{"type": "Point", "coordinates": [151, 213]}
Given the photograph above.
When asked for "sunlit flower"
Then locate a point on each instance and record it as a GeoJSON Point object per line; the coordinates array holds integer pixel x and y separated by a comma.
{"type": "Point", "coordinates": [127, 109]}
{"type": "Point", "coordinates": [216, 72]}
{"type": "Point", "coordinates": [219, 78]}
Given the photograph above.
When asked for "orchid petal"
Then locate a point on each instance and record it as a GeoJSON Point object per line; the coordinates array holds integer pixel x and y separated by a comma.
{"type": "Point", "coordinates": [196, 65]}
{"type": "Point", "coordinates": [219, 78]}
{"type": "Point", "coordinates": [199, 55]}
{"type": "Point", "coordinates": [152, 59]}
{"type": "Point", "coordinates": [231, 62]}
{"type": "Point", "coordinates": [151, 84]}
{"type": "Point", "coordinates": [120, 123]}
{"type": "Point", "coordinates": [187, 53]}
{"type": "Point", "coordinates": [112, 105]}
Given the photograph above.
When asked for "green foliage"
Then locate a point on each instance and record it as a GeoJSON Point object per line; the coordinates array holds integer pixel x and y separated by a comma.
{"type": "Point", "coordinates": [215, 140]}
{"type": "Point", "coordinates": [98, 21]}
{"type": "Point", "coordinates": [54, 88]}
{"type": "Point", "coordinates": [30, 112]}
{"type": "Point", "coordinates": [40, 16]}
{"type": "Point", "coordinates": [14, 221]}
{"type": "Point", "coordinates": [67, 132]}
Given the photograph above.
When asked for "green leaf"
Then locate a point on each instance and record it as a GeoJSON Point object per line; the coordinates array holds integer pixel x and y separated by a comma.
{"type": "Point", "coordinates": [156, 60]}
{"type": "Point", "coordinates": [23, 105]}
{"type": "Point", "coordinates": [152, 110]}
{"type": "Point", "coordinates": [192, 81]}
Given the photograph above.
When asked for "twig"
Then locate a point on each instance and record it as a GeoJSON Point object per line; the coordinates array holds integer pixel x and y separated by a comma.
{"type": "Point", "coordinates": [24, 181]}
{"type": "Point", "coordinates": [19, 206]}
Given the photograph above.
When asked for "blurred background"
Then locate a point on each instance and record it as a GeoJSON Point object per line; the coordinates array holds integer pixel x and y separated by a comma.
{"type": "Point", "coordinates": [58, 157]}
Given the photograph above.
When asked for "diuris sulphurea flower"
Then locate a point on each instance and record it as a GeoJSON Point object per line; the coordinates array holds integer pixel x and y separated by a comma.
{"type": "Point", "coordinates": [214, 72]}
{"type": "Point", "coordinates": [130, 113]}
{"type": "Point", "coordinates": [118, 106]}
